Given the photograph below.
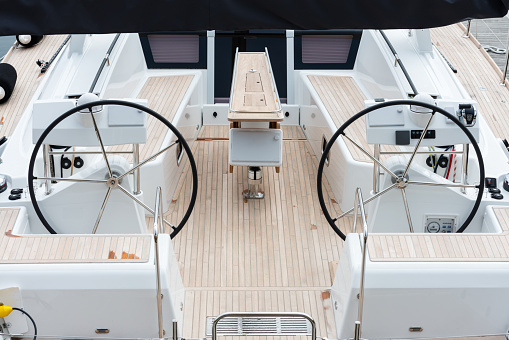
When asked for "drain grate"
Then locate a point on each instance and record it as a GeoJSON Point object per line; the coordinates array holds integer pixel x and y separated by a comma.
{"type": "Point", "coordinates": [260, 326]}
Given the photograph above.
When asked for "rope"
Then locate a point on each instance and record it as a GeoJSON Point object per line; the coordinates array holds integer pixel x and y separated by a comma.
{"type": "Point", "coordinates": [495, 49]}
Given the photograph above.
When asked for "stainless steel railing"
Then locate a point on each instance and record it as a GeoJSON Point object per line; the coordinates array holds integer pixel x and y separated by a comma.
{"type": "Point", "coordinates": [359, 205]}
{"type": "Point", "coordinates": [263, 315]}
{"type": "Point", "coordinates": [276, 93]}
{"type": "Point", "coordinates": [467, 34]}
{"type": "Point", "coordinates": [504, 72]}
{"type": "Point", "coordinates": [158, 220]}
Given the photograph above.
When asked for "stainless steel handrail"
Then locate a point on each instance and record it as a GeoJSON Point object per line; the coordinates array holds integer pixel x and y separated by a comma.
{"type": "Point", "coordinates": [87, 152]}
{"type": "Point", "coordinates": [47, 167]}
{"type": "Point", "coordinates": [464, 174]}
{"type": "Point", "coordinates": [359, 205]}
{"type": "Point", "coordinates": [266, 315]}
{"type": "Point", "coordinates": [467, 33]}
{"type": "Point", "coordinates": [158, 220]}
{"type": "Point", "coordinates": [136, 173]}
{"type": "Point", "coordinates": [233, 86]}
{"type": "Point", "coordinates": [504, 74]}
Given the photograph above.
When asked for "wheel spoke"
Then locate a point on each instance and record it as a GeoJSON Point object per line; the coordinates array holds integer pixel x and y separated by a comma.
{"type": "Point", "coordinates": [101, 142]}
{"type": "Point", "coordinates": [77, 180]}
{"type": "Point", "coordinates": [142, 204]}
{"type": "Point", "coordinates": [368, 200]}
{"type": "Point", "coordinates": [371, 156]}
{"type": "Point", "coordinates": [446, 185]}
{"type": "Point", "coordinates": [101, 211]}
{"type": "Point", "coordinates": [418, 144]}
{"type": "Point", "coordinates": [407, 210]}
{"type": "Point", "coordinates": [147, 160]}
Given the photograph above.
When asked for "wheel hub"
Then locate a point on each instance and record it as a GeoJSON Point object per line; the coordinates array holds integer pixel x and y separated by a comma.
{"type": "Point", "coordinates": [402, 182]}
{"type": "Point", "coordinates": [112, 182]}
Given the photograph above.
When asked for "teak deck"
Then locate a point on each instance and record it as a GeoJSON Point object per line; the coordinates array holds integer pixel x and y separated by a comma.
{"type": "Point", "coordinates": [273, 254]}
{"type": "Point", "coordinates": [64, 248]}
{"type": "Point", "coordinates": [256, 255]}
{"type": "Point", "coordinates": [481, 78]}
{"type": "Point", "coordinates": [164, 96]}
{"type": "Point", "coordinates": [343, 98]}
{"type": "Point", "coordinates": [439, 247]}
{"type": "Point", "coordinates": [29, 78]}
{"type": "Point", "coordinates": [253, 97]}
{"type": "Point", "coordinates": [478, 74]}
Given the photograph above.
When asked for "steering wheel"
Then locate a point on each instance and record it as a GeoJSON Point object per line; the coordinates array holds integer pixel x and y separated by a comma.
{"type": "Point", "coordinates": [113, 180]}
{"type": "Point", "coordinates": [400, 179]}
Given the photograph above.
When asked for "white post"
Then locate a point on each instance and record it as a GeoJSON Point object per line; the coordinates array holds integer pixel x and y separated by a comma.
{"type": "Point", "coordinates": [211, 35]}
{"type": "Point", "coordinates": [290, 65]}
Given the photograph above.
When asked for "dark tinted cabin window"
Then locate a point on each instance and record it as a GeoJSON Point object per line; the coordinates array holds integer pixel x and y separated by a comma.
{"type": "Point", "coordinates": [175, 48]}
{"type": "Point", "coordinates": [326, 50]}
{"type": "Point", "coordinates": [322, 49]}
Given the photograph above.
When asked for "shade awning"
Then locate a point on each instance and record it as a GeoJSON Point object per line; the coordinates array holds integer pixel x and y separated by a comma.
{"type": "Point", "coordinates": [111, 16]}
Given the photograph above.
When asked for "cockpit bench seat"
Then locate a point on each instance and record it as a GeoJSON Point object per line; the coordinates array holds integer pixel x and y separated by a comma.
{"type": "Point", "coordinates": [67, 248]}
{"type": "Point", "coordinates": [464, 247]}
{"type": "Point", "coordinates": [342, 99]}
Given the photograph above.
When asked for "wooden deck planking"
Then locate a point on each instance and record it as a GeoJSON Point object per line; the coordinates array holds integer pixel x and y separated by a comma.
{"type": "Point", "coordinates": [479, 75]}
{"type": "Point", "coordinates": [343, 99]}
{"type": "Point", "coordinates": [64, 248]}
{"type": "Point", "coordinates": [253, 96]}
{"type": "Point", "coordinates": [201, 303]}
{"type": "Point", "coordinates": [246, 241]}
{"type": "Point", "coordinates": [256, 255]}
{"type": "Point", "coordinates": [164, 95]}
{"type": "Point", "coordinates": [29, 78]}
{"type": "Point", "coordinates": [444, 247]}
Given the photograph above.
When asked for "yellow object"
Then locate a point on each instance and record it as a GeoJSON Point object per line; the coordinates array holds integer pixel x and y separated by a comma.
{"type": "Point", "coordinates": [4, 311]}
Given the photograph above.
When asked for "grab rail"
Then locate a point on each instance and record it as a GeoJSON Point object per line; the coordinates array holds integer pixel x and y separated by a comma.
{"type": "Point", "coordinates": [103, 63]}
{"type": "Point", "coordinates": [266, 315]}
{"type": "Point", "coordinates": [359, 203]}
{"type": "Point", "coordinates": [158, 220]}
{"type": "Point", "coordinates": [393, 50]}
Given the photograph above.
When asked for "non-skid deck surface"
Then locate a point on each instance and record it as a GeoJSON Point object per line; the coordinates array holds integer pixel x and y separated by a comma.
{"type": "Point", "coordinates": [443, 247]}
{"type": "Point", "coordinates": [343, 99]}
{"type": "Point", "coordinates": [256, 255]}
{"type": "Point", "coordinates": [68, 249]}
{"type": "Point", "coordinates": [479, 75]}
{"type": "Point", "coordinates": [29, 78]}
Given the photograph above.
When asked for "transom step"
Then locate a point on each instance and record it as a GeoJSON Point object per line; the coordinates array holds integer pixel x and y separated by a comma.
{"type": "Point", "coordinates": [260, 325]}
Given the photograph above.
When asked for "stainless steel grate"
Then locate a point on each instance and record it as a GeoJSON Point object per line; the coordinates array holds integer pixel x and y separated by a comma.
{"type": "Point", "coordinates": [260, 326]}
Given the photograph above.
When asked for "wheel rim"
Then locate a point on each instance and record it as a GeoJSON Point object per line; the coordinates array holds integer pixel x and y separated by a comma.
{"type": "Point", "coordinates": [362, 113]}
{"type": "Point", "coordinates": [180, 139]}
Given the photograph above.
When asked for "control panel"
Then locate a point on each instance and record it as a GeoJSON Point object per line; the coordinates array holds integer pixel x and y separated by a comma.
{"type": "Point", "coordinates": [404, 124]}
{"type": "Point", "coordinates": [440, 224]}
{"type": "Point", "coordinates": [117, 124]}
